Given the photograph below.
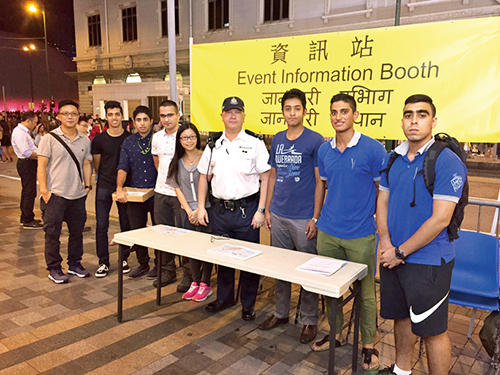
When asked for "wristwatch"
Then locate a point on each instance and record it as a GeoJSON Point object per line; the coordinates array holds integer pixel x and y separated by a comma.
{"type": "Point", "coordinates": [261, 210]}
{"type": "Point", "coordinates": [88, 187]}
{"type": "Point", "coordinates": [399, 253]}
{"type": "Point", "coordinates": [315, 220]}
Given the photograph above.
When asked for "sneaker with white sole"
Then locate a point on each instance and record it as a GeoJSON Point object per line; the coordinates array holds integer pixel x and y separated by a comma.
{"type": "Point", "coordinates": [102, 271]}
{"type": "Point", "coordinates": [204, 292]}
{"type": "Point", "coordinates": [78, 270]}
{"type": "Point", "coordinates": [193, 289]}
{"type": "Point", "coordinates": [126, 267]}
{"type": "Point", "coordinates": [58, 276]}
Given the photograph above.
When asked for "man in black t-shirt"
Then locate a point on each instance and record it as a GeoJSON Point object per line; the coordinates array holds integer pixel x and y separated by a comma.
{"type": "Point", "coordinates": [105, 150]}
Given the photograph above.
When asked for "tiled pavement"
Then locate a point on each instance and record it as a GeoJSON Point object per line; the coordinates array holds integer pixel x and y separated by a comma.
{"type": "Point", "coordinates": [72, 328]}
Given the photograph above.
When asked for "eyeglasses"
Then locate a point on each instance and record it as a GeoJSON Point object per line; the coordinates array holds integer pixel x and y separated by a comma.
{"type": "Point", "coordinates": [189, 138]}
{"type": "Point", "coordinates": [69, 114]}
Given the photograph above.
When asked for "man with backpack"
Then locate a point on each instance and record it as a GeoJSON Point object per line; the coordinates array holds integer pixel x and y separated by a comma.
{"type": "Point", "coordinates": [416, 228]}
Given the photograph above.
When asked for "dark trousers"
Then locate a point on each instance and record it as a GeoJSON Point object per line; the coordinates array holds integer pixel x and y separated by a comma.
{"type": "Point", "coordinates": [54, 212]}
{"type": "Point", "coordinates": [200, 271]}
{"type": "Point", "coordinates": [27, 171]}
{"type": "Point", "coordinates": [138, 218]}
{"type": "Point", "coordinates": [234, 225]}
{"type": "Point", "coordinates": [167, 212]}
{"type": "Point", "coordinates": [103, 203]}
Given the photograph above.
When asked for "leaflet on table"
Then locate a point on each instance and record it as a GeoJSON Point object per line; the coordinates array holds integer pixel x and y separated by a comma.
{"type": "Point", "coordinates": [165, 229]}
{"type": "Point", "coordinates": [322, 266]}
{"type": "Point", "coordinates": [236, 252]}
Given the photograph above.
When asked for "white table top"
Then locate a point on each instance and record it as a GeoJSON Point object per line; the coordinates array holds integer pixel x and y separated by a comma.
{"type": "Point", "coordinates": [274, 262]}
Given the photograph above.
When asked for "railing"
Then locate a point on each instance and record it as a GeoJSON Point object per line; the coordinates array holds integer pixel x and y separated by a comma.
{"type": "Point", "coordinates": [482, 202]}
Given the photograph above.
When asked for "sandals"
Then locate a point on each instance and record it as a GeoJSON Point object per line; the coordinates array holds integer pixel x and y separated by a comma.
{"type": "Point", "coordinates": [368, 352]}
{"type": "Point", "coordinates": [324, 344]}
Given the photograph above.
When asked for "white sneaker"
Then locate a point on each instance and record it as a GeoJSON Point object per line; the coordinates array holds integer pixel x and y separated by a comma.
{"type": "Point", "coordinates": [102, 271]}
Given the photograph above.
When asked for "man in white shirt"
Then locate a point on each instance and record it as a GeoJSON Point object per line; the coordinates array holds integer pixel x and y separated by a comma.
{"type": "Point", "coordinates": [26, 152]}
{"type": "Point", "coordinates": [235, 161]}
{"type": "Point", "coordinates": [167, 207]}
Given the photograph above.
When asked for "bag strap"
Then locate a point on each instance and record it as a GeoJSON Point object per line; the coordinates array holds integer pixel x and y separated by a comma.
{"type": "Point", "coordinates": [70, 153]}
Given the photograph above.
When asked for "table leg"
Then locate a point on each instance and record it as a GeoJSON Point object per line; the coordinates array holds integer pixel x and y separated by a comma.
{"type": "Point", "coordinates": [159, 260]}
{"type": "Point", "coordinates": [333, 332]}
{"type": "Point", "coordinates": [357, 309]}
{"type": "Point", "coordinates": [120, 285]}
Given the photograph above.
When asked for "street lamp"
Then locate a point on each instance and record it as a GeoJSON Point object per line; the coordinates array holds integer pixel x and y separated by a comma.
{"type": "Point", "coordinates": [33, 8]}
{"type": "Point", "coordinates": [28, 49]}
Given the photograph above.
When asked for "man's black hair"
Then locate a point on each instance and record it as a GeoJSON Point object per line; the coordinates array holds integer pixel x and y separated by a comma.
{"type": "Point", "coordinates": [169, 103]}
{"type": "Point", "coordinates": [113, 104]}
{"type": "Point", "coordinates": [291, 94]}
{"type": "Point", "coordinates": [62, 103]}
{"type": "Point", "coordinates": [142, 109]}
{"type": "Point", "coordinates": [344, 98]}
{"type": "Point", "coordinates": [30, 115]}
{"type": "Point", "coordinates": [421, 98]}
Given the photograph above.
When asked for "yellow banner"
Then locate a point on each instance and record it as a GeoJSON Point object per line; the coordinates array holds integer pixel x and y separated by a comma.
{"type": "Point", "coordinates": [456, 63]}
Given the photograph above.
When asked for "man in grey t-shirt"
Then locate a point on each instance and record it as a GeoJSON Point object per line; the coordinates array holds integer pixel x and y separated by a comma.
{"type": "Point", "coordinates": [64, 187]}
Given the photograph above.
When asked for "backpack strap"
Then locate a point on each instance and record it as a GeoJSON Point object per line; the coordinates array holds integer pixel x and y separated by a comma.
{"type": "Point", "coordinates": [429, 166]}
{"type": "Point", "coordinates": [70, 153]}
{"type": "Point", "coordinates": [392, 158]}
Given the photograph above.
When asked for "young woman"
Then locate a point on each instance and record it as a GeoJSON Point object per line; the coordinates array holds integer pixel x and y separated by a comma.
{"type": "Point", "coordinates": [38, 133]}
{"type": "Point", "coordinates": [183, 175]}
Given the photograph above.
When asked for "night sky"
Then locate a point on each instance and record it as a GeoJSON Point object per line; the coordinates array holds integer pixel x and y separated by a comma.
{"type": "Point", "coordinates": [60, 22]}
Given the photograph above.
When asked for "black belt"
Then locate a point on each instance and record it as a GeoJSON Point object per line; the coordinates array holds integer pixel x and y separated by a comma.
{"type": "Point", "coordinates": [229, 204]}
{"type": "Point", "coordinates": [26, 159]}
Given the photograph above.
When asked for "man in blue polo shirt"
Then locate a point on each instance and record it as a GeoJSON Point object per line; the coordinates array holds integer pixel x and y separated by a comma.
{"type": "Point", "coordinates": [137, 168]}
{"type": "Point", "coordinates": [295, 195]}
{"type": "Point", "coordinates": [415, 251]}
{"type": "Point", "coordinates": [350, 163]}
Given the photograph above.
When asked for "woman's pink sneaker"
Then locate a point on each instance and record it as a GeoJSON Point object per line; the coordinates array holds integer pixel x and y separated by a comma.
{"type": "Point", "coordinates": [191, 292]}
{"type": "Point", "coordinates": [204, 291]}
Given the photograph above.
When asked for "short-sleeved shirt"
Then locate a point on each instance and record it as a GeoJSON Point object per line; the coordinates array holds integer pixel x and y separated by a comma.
{"type": "Point", "coordinates": [63, 178]}
{"type": "Point", "coordinates": [22, 143]}
{"type": "Point", "coordinates": [235, 165]}
{"type": "Point", "coordinates": [136, 160]}
{"type": "Point", "coordinates": [163, 147]}
{"type": "Point", "coordinates": [351, 175]}
{"type": "Point", "coordinates": [294, 161]}
{"type": "Point", "coordinates": [109, 148]}
{"type": "Point", "coordinates": [405, 180]}
{"type": "Point", "coordinates": [188, 177]}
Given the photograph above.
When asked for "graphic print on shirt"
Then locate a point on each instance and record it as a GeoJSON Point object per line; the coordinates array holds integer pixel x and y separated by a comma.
{"type": "Point", "coordinates": [456, 182]}
{"type": "Point", "coordinates": [288, 162]}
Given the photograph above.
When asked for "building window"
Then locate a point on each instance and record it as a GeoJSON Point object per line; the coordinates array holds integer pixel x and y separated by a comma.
{"type": "Point", "coordinates": [129, 24]}
{"type": "Point", "coordinates": [95, 30]}
{"type": "Point", "coordinates": [218, 14]}
{"type": "Point", "coordinates": [276, 10]}
{"type": "Point", "coordinates": [164, 18]}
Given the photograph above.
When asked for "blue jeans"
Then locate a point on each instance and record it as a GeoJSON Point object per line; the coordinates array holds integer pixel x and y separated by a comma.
{"type": "Point", "coordinates": [103, 203]}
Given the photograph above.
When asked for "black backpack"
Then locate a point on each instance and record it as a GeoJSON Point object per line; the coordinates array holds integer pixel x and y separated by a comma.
{"type": "Point", "coordinates": [442, 141]}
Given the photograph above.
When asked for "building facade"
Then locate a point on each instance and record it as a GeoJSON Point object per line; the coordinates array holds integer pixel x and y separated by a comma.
{"type": "Point", "coordinates": [122, 46]}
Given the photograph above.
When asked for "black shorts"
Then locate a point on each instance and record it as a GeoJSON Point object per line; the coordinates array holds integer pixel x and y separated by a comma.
{"type": "Point", "coordinates": [419, 292]}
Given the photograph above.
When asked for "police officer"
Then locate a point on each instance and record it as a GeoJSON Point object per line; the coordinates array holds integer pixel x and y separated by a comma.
{"type": "Point", "coordinates": [234, 161]}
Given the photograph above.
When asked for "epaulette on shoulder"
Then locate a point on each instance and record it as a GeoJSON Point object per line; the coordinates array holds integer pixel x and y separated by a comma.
{"type": "Point", "coordinates": [258, 136]}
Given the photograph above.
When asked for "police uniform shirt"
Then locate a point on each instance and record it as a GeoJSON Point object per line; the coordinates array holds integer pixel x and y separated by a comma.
{"type": "Point", "coordinates": [235, 166]}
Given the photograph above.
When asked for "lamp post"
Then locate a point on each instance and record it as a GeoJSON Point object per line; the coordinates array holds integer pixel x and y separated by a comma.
{"type": "Point", "coordinates": [28, 49]}
{"type": "Point", "coordinates": [33, 8]}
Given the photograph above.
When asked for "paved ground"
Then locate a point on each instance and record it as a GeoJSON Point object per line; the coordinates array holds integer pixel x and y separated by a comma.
{"type": "Point", "coordinates": [72, 328]}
